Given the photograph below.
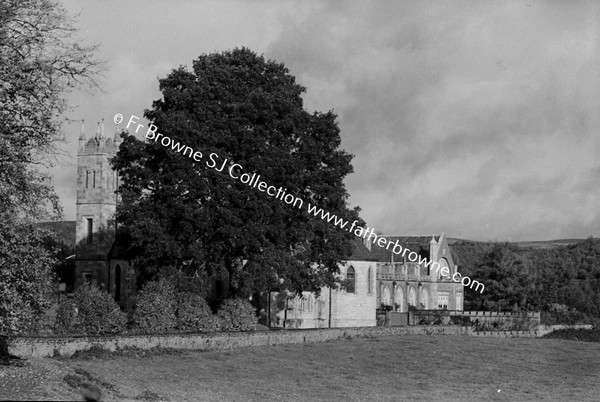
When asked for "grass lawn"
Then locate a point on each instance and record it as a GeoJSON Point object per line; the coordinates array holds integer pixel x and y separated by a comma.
{"type": "Point", "coordinates": [407, 367]}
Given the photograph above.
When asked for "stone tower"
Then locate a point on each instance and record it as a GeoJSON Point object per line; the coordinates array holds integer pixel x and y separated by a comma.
{"type": "Point", "coordinates": [96, 206]}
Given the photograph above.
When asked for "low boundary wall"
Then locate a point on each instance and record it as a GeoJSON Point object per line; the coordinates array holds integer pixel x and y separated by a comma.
{"type": "Point", "coordinates": [28, 347]}
{"type": "Point", "coordinates": [66, 346]}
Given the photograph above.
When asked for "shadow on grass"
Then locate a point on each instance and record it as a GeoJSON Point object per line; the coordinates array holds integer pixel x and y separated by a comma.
{"type": "Point", "coordinates": [6, 359]}
{"type": "Point", "coordinates": [575, 334]}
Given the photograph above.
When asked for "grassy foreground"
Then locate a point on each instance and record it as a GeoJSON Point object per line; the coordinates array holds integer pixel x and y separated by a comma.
{"type": "Point", "coordinates": [408, 367]}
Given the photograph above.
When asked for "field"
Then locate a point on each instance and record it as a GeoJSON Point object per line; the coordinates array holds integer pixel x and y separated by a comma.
{"type": "Point", "coordinates": [408, 367]}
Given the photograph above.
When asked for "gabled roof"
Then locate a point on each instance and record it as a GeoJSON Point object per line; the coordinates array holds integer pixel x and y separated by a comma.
{"type": "Point", "coordinates": [408, 240]}
{"type": "Point", "coordinates": [361, 252]}
{"type": "Point", "coordinates": [418, 244]}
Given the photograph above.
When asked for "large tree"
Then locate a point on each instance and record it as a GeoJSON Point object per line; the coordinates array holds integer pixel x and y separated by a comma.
{"type": "Point", "coordinates": [40, 61]}
{"type": "Point", "coordinates": [184, 213]}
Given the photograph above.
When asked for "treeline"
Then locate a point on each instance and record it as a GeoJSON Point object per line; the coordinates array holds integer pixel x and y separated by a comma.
{"type": "Point", "coordinates": [562, 282]}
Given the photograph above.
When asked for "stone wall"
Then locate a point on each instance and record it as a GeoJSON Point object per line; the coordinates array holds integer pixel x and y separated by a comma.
{"type": "Point", "coordinates": [28, 347]}
{"type": "Point", "coordinates": [479, 320]}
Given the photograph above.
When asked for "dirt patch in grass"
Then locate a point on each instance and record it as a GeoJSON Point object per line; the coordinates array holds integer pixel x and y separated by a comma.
{"type": "Point", "coordinates": [96, 352]}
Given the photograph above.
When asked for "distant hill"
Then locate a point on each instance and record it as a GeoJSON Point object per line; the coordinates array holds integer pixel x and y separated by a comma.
{"type": "Point", "coordinates": [534, 244]}
{"type": "Point", "coordinates": [548, 244]}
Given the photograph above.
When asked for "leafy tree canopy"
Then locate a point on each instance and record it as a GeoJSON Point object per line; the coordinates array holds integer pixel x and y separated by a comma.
{"type": "Point", "coordinates": [40, 62]}
{"type": "Point", "coordinates": [249, 111]}
{"type": "Point", "coordinates": [548, 280]}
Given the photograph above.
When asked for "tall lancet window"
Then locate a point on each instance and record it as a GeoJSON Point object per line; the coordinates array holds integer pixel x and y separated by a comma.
{"type": "Point", "coordinates": [87, 179]}
{"type": "Point", "coordinates": [90, 230]}
{"type": "Point", "coordinates": [94, 180]}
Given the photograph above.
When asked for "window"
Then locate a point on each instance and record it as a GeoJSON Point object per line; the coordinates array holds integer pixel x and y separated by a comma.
{"type": "Point", "coordinates": [424, 298]}
{"type": "Point", "coordinates": [399, 299]}
{"type": "Point", "coordinates": [90, 230]}
{"type": "Point", "coordinates": [412, 297]}
{"type": "Point", "coordinates": [94, 180]}
{"type": "Point", "coordinates": [443, 302]}
{"type": "Point", "coordinates": [444, 264]}
{"type": "Point", "coordinates": [386, 297]}
{"type": "Point", "coordinates": [87, 277]}
{"type": "Point", "coordinates": [369, 280]}
{"type": "Point", "coordinates": [350, 280]}
{"type": "Point", "coordinates": [87, 179]}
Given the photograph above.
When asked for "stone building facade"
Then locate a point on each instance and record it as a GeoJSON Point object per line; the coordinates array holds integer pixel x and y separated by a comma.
{"type": "Point", "coordinates": [401, 283]}
{"type": "Point", "coordinates": [378, 280]}
{"type": "Point", "coordinates": [96, 261]}
{"type": "Point", "coordinates": [376, 277]}
{"type": "Point", "coordinates": [351, 307]}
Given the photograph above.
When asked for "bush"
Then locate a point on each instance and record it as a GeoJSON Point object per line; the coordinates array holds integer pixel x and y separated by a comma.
{"type": "Point", "coordinates": [65, 317]}
{"type": "Point", "coordinates": [155, 307]}
{"type": "Point", "coordinates": [97, 312]}
{"type": "Point", "coordinates": [237, 315]}
{"type": "Point", "coordinates": [194, 314]}
{"type": "Point", "coordinates": [562, 314]}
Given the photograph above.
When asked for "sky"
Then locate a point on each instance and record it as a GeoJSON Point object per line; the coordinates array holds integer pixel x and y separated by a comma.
{"type": "Point", "coordinates": [477, 119]}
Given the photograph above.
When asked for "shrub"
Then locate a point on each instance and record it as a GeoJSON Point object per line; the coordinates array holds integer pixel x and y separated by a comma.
{"type": "Point", "coordinates": [25, 275]}
{"type": "Point", "coordinates": [237, 315]}
{"type": "Point", "coordinates": [562, 314]}
{"type": "Point", "coordinates": [65, 317]}
{"type": "Point", "coordinates": [97, 312]}
{"type": "Point", "coordinates": [194, 314]}
{"type": "Point", "coordinates": [155, 307]}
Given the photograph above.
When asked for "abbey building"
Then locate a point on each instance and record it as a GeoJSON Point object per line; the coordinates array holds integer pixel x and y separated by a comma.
{"type": "Point", "coordinates": [376, 277]}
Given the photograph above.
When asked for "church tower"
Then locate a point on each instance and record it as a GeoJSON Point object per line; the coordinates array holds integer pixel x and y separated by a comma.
{"type": "Point", "coordinates": [96, 206]}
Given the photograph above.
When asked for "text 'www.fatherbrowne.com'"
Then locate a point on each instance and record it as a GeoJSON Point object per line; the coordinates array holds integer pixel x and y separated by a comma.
{"type": "Point", "coordinates": [236, 172]}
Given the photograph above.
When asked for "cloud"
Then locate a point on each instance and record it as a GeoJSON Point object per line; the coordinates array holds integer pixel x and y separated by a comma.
{"type": "Point", "coordinates": [477, 119]}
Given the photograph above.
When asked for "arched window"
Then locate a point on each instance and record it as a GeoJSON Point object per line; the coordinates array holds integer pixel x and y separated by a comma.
{"type": "Point", "coordinates": [443, 264]}
{"type": "Point", "coordinates": [369, 280]}
{"type": "Point", "coordinates": [386, 297]}
{"type": "Point", "coordinates": [424, 298]}
{"type": "Point", "coordinates": [399, 299]}
{"type": "Point", "coordinates": [350, 280]}
{"type": "Point", "coordinates": [412, 297]}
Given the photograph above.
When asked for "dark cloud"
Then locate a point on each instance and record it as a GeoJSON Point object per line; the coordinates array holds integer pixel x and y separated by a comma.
{"type": "Point", "coordinates": [477, 119]}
